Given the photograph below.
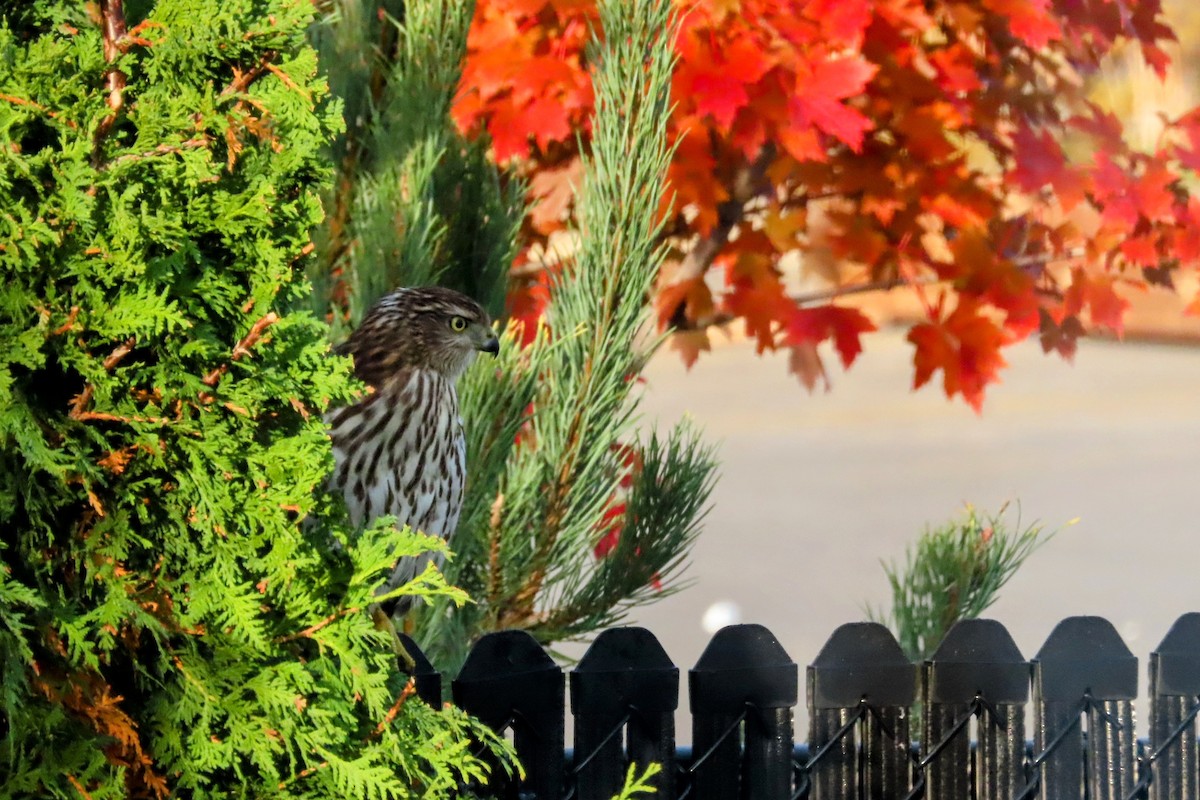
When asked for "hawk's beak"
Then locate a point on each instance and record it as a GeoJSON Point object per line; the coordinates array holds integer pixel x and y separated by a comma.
{"type": "Point", "coordinates": [491, 345]}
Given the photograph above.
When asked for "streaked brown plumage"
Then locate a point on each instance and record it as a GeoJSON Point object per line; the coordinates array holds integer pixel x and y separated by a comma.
{"type": "Point", "coordinates": [400, 449]}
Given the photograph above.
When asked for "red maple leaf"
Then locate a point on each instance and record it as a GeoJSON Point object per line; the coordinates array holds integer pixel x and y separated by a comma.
{"type": "Point", "coordinates": [1097, 293]}
{"type": "Point", "coordinates": [1029, 20]}
{"type": "Point", "coordinates": [717, 81]}
{"type": "Point", "coordinates": [844, 325]}
{"type": "Point", "coordinates": [965, 346]}
{"type": "Point", "coordinates": [818, 97]}
{"type": "Point", "coordinates": [1141, 250]}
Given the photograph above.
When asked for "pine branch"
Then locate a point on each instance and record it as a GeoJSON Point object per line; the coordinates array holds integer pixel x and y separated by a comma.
{"type": "Point", "coordinates": [604, 290]}
{"type": "Point", "coordinates": [954, 572]}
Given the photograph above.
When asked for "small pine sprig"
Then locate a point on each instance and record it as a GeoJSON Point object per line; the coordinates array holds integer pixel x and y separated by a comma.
{"type": "Point", "coordinates": [954, 572]}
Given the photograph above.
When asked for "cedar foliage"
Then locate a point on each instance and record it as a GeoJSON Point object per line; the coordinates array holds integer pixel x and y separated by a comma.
{"type": "Point", "coordinates": [569, 519]}
{"type": "Point", "coordinates": [168, 626]}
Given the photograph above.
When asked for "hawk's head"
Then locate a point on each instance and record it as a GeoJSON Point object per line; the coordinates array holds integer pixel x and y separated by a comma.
{"type": "Point", "coordinates": [420, 328]}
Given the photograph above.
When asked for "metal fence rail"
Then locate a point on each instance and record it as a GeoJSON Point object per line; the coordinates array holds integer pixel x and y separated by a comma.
{"type": "Point", "coordinates": [974, 695]}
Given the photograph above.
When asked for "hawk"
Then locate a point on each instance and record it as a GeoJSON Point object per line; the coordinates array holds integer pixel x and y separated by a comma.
{"type": "Point", "coordinates": [400, 450]}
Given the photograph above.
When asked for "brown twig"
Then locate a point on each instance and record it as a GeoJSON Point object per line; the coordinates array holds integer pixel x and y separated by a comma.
{"type": "Point", "coordinates": [304, 773]}
{"type": "Point", "coordinates": [81, 400]}
{"type": "Point", "coordinates": [288, 82]}
{"type": "Point", "coordinates": [119, 353]}
{"type": "Point", "coordinates": [21, 101]}
{"type": "Point", "coordinates": [242, 348]}
{"type": "Point", "coordinates": [408, 691]}
{"type": "Point", "coordinates": [242, 80]}
{"type": "Point", "coordinates": [311, 629]}
{"type": "Point", "coordinates": [304, 251]}
{"type": "Point", "coordinates": [79, 787]}
{"type": "Point", "coordinates": [163, 150]}
{"type": "Point", "coordinates": [255, 333]}
{"type": "Point", "coordinates": [112, 27]}
{"type": "Point", "coordinates": [104, 416]}
{"type": "Point", "coordinates": [70, 323]}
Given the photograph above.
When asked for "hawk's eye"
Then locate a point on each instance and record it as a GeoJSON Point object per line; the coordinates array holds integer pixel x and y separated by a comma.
{"type": "Point", "coordinates": [458, 324]}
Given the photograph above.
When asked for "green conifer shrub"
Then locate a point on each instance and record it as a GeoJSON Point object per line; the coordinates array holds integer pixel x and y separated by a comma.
{"type": "Point", "coordinates": [173, 616]}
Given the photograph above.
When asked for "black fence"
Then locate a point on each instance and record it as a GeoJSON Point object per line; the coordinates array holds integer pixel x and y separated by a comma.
{"type": "Point", "coordinates": [974, 696]}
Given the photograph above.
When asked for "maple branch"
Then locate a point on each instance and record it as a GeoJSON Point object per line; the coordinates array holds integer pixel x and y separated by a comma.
{"type": "Point", "coordinates": [887, 284]}
{"type": "Point", "coordinates": [825, 295]}
{"type": "Point", "coordinates": [1048, 258]}
{"type": "Point", "coordinates": [884, 285]}
{"type": "Point", "coordinates": [729, 214]}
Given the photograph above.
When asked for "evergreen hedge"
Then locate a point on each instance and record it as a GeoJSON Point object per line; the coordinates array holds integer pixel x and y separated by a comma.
{"type": "Point", "coordinates": [168, 624]}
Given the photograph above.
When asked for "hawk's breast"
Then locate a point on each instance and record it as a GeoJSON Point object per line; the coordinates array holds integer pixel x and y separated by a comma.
{"type": "Point", "coordinates": [400, 451]}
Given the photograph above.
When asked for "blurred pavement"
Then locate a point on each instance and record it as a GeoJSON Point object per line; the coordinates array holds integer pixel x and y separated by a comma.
{"type": "Point", "coordinates": [815, 489]}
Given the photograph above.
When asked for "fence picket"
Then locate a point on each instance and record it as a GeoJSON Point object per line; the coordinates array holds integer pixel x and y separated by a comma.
{"type": "Point", "coordinates": [861, 678]}
{"type": "Point", "coordinates": [509, 682]}
{"type": "Point", "coordinates": [1174, 695]}
{"type": "Point", "coordinates": [1085, 669]}
{"type": "Point", "coordinates": [624, 684]}
{"type": "Point", "coordinates": [860, 695]}
{"type": "Point", "coordinates": [977, 671]}
{"type": "Point", "coordinates": [428, 681]}
{"type": "Point", "coordinates": [742, 690]}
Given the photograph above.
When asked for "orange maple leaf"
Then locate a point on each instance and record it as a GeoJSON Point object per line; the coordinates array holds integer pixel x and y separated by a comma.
{"type": "Point", "coordinates": [965, 346]}
{"type": "Point", "coordinates": [1097, 293]}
